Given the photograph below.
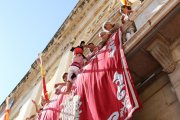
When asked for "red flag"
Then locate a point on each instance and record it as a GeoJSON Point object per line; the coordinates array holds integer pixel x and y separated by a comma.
{"type": "Point", "coordinates": [43, 78]}
{"type": "Point", "coordinates": [104, 88]}
{"type": "Point", "coordinates": [6, 113]}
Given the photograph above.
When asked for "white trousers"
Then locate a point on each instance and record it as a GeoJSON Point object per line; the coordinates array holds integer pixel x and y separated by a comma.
{"type": "Point", "coordinates": [72, 70]}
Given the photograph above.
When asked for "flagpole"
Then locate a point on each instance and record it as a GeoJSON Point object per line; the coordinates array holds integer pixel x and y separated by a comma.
{"type": "Point", "coordinates": [6, 114]}
{"type": "Point", "coordinates": [43, 78]}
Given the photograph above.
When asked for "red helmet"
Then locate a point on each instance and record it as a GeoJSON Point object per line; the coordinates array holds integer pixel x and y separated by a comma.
{"type": "Point", "coordinates": [78, 50]}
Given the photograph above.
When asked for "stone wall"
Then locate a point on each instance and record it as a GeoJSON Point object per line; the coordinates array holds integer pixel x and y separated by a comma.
{"type": "Point", "coordinates": [159, 101]}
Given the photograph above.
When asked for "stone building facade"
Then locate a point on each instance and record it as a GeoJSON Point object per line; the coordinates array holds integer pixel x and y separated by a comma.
{"type": "Point", "coordinates": [152, 45]}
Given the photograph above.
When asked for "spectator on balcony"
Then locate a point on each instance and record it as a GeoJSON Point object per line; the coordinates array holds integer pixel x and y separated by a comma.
{"type": "Point", "coordinates": [104, 38]}
{"type": "Point", "coordinates": [93, 50]}
{"type": "Point", "coordinates": [64, 77]}
{"type": "Point", "coordinates": [38, 109]}
{"type": "Point", "coordinates": [110, 27]}
{"type": "Point", "coordinates": [36, 106]}
{"type": "Point", "coordinates": [125, 11]}
{"type": "Point", "coordinates": [43, 102]}
{"type": "Point", "coordinates": [130, 32]}
{"type": "Point", "coordinates": [51, 110]}
{"type": "Point", "coordinates": [59, 86]}
{"type": "Point", "coordinates": [82, 44]}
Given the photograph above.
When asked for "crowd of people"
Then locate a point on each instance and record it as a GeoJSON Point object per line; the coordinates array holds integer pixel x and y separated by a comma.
{"type": "Point", "coordinates": [78, 61]}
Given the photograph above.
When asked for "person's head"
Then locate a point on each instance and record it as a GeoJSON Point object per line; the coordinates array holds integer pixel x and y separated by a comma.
{"type": "Point", "coordinates": [104, 35]}
{"type": "Point", "coordinates": [91, 46]}
{"type": "Point", "coordinates": [78, 50]}
{"type": "Point", "coordinates": [82, 43]}
{"type": "Point", "coordinates": [125, 9]}
{"type": "Point", "coordinates": [107, 26]}
{"type": "Point", "coordinates": [64, 77]}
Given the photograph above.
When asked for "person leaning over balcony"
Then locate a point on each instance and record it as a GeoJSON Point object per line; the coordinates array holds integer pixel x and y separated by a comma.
{"type": "Point", "coordinates": [36, 106]}
{"type": "Point", "coordinates": [104, 38]}
{"type": "Point", "coordinates": [77, 64]}
{"type": "Point", "coordinates": [125, 11]}
{"type": "Point", "coordinates": [110, 27]}
{"type": "Point", "coordinates": [38, 109]}
{"type": "Point", "coordinates": [64, 77]}
{"type": "Point", "coordinates": [93, 50]}
{"type": "Point", "coordinates": [58, 86]}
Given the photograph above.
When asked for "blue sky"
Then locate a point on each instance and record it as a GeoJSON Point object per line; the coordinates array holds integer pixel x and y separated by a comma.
{"type": "Point", "coordinates": [26, 27]}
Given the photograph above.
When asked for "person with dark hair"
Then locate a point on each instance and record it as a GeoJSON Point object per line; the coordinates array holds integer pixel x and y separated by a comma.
{"type": "Point", "coordinates": [58, 86]}
{"type": "Point", "coordinates": [64, 77]}
{"type": "Point", "coordinates": [72, 49]}
{"type": "Point", "coordinates": [82, 44]}
{"type": "Point", "coordinates": [93, 50]}
{"type": "Point", "coordinates": [125, 11]}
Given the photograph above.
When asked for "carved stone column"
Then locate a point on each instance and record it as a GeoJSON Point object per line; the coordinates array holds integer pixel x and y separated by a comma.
{"type": "Point", "coordinates": [175, 75]}
{"type": "Point", "coordinates": [161, 52]}
{"type": "Point", "coordinates": [168, 55]}
{"type": "Point", "coordinates": [130, 32]}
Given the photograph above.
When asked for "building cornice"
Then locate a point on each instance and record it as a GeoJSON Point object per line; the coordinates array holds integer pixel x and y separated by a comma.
{"type": "Point", "coordinates": [47, 52]}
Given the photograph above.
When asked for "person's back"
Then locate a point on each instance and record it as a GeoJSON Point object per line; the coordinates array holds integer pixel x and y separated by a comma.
{"type": "Point", "coordinates": [78, 60]}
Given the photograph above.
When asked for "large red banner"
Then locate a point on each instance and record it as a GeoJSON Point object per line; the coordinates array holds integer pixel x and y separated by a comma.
{"type": "Point", "coordinates": [104, 90]}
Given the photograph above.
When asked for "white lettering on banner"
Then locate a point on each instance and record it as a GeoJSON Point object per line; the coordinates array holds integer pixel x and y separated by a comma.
{"type": "Point", "coordinates": [118, 79]}
{"type": "Point", "coordinates": [121, 96]}
{"type": "Point", "coordinates": [71, 108]}
{"type": "Point", "coordinates": [114, 116]}
{"type": "Point", "coordinates": [111, 47]}
{"type": "Point", "coordinates": [126, 105]}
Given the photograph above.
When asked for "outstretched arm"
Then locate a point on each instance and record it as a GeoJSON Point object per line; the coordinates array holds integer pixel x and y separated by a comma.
{"type": "Point", "coordinates": [90, 46]}
{"type": "Point", "coordinates": [57, 84]}
{"type": "Point", "coordinates": [36, 106]}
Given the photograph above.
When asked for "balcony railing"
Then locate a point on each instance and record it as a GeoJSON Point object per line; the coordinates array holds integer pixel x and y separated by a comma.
{"type": "Point", "coordinates": [142, 13]}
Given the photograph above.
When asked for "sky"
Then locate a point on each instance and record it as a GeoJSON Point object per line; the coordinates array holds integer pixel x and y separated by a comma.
{"type": "Point", "coordinates": [26, 27]}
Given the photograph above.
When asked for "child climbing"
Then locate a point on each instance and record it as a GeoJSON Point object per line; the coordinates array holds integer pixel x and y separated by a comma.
{"type": "Point", "coordinates": [77, 64]}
